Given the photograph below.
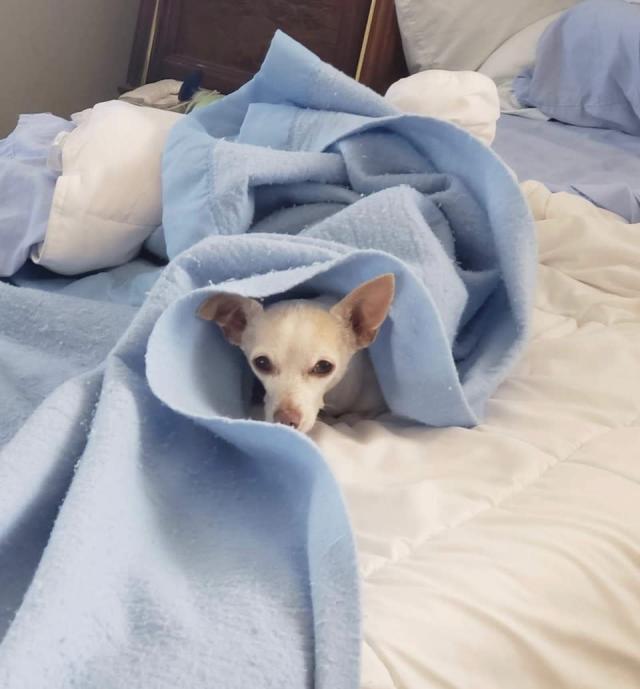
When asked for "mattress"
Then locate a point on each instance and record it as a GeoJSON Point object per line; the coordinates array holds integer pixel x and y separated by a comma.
{"type": "Point", "coordinates": [508, 555]}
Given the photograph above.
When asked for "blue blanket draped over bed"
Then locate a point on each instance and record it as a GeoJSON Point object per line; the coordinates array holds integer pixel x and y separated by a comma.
{"type": "Point", "coordinates": [152, 536]}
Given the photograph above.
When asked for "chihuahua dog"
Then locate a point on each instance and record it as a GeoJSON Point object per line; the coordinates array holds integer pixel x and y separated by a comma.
{"type": "Point", "coordinates": [303, 350]}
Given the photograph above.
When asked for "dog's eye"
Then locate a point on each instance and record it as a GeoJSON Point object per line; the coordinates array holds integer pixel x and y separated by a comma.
{"type": "Point", "coordinates": [322, 368]}
{"type": "Point", "coordinates": [263, 364]}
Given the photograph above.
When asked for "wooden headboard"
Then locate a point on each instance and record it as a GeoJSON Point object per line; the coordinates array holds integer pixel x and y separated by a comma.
{"type": "Point", "coordinates": [227, 39]}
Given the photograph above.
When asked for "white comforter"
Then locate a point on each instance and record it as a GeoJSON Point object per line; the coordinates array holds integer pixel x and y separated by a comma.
{"type": "Point", "coordinates": [508, 556]}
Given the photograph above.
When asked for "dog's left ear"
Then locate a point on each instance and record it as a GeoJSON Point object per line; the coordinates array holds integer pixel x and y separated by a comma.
{"type": "Point", "coordinates": [231, 312]}
{"type": "Point", "coordinates": [365, 308]}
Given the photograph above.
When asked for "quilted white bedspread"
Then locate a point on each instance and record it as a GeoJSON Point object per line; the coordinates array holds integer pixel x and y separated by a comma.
{"type": "Point", "coordinates": [509, 555]}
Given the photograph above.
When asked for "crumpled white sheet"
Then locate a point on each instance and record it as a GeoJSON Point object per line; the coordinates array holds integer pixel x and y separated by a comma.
{"type": "Point", "coordinates": [508, 555]}
{"type": "Point", "coordinates": [467, 99]}
{"type": "Point", "coordinates": [163, 93]}
{"type": "Point", "coordinates": [108, 199]}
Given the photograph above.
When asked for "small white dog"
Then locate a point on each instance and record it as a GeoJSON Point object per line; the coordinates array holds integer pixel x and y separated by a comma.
{"type": "Point", "coordinates": [301, 349]}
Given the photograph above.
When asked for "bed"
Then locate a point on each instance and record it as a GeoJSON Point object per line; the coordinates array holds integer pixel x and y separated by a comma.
{"type": "Point", "coordinates": [494, 554]}
{"type": "Point", "coordinates": [599, 164]}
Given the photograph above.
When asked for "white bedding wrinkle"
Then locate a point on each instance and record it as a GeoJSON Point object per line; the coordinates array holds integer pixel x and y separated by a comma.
{"type": "Point", "coordinates": [108, 199]}
{"type": "Point", "coordinates": [509, 555]}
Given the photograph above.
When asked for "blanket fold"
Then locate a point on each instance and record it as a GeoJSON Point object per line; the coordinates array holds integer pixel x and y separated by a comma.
{"type": "Point", "coordinates": [297, 156]}
{"type": "Point", "coordinates": [192, 546]}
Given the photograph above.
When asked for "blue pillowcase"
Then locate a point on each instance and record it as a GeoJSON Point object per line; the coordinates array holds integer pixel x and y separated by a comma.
{"type": "Point", "coordinates": [587, 69]}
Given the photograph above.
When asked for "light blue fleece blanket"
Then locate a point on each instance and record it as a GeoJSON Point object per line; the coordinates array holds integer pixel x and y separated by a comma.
{"type": "Point", "coordinates": [305, 181]}
{"type": "Point", "coordinates": [150, 535]}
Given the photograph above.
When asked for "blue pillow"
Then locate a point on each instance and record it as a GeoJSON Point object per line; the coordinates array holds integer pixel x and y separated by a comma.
{"type": "Point", "coordinates": [587, 69]}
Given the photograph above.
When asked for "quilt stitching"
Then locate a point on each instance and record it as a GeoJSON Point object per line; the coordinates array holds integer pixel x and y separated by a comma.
{"type": "Point", "coordinates": [468, 516]}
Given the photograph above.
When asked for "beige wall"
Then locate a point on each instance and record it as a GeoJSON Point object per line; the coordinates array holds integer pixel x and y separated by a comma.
{"type": "Point", "coordinates": [62, 55]}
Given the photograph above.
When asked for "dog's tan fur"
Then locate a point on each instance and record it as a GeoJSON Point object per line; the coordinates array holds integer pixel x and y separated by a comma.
{"type": "Point", "coordinates": [295, 335]}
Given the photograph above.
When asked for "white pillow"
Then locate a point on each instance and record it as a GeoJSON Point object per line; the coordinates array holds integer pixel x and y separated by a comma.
{"type": "Point", "coordinates": [511, 58]}
{"type": "Point", "coordinates": [467, 99]}
{"type": "Point", "coordinates": [517, 52]}
{"type": "Point", "coordinates": [108, 199]}
{"type": "Point", "coordinates": [462, 34]}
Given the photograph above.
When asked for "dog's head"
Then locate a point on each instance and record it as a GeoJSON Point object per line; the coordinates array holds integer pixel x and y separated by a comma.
{"type": "Point", "coordinates": [298, 349]}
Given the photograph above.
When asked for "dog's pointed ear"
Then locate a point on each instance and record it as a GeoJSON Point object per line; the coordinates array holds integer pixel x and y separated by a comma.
{"type": "Point", "coordinates": [231, 312]}
{"type": "Point", "coordinates": [366, 307]}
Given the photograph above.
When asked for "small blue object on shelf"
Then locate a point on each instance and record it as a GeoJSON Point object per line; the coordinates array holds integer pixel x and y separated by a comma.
{"type": "Point", "coordinates": [190, 86]}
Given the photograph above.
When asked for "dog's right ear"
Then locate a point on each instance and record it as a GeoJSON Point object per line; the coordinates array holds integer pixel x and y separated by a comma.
{"type": "Point", "coordinates": [231, 312]}
{"type": "Point", "coordinates": [366, 307]}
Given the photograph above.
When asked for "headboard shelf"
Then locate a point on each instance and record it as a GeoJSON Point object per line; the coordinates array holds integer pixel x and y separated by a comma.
{"type": "Point", "coordinates": [227, 39]}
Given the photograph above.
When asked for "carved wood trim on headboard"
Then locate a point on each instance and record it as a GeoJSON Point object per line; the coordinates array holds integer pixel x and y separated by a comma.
{"type": "Point", "coordinates": [143, 40]}
{"type": "Point", "coordinates": [383, 57]}
{"type": "Point", "coordinates": [169, 43]}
